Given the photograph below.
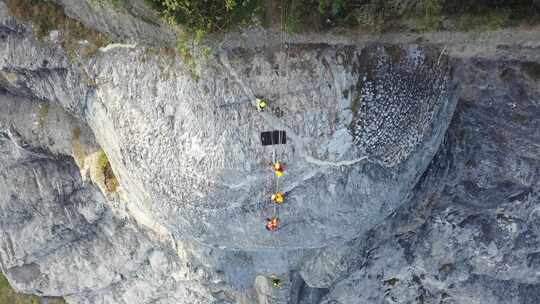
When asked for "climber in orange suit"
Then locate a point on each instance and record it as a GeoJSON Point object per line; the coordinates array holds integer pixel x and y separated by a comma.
{"type": "Point", "coordinates": [278, 168]}
{"type": "Point", "coordinates": [272, 224]}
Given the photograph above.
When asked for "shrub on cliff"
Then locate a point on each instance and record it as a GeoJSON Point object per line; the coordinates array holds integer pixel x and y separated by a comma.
{"type": "Point", "coordinates": [208, 15]}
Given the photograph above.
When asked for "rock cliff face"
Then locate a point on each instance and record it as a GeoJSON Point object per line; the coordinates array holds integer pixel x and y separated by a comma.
{"type": "Point", "coordinates": [413, 167]}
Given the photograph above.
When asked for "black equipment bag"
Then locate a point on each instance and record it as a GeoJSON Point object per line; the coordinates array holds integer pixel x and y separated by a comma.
{"type": "Point", "coordinates": [273, 138]}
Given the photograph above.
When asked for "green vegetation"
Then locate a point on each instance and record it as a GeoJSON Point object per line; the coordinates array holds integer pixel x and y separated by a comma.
{"type": "Point", "coordinates": [47, 16]}
{"type": "Point", "coordinates": [431, 16]}
{"type": "Point", "coordinates": [453, 15]}
{"type": "Point", "coordinates": [56, 301]}
{"type": "Point", "coordinates": [97, 163]}
{"type": "Point", "coordinates": [78, 151]}
{"type": "Point", "coordinates": [103, 166]}
{"type": "Point", "coordinates": [532, 70]}
{"type": "Point", "coordinates": [210, 15]}
{"type": "Point", "coordinates": [391, 282]}
{"type": "Point", "coordinates": [9, 296]}
{"type": "Point", "coordinates": [199, 18]}
{"type": "Point", "coordinates": [193, 52]}
{"type": "Point", "coordinates": [489, 21]}
{"type": "Point", "coordinates": [42, 114]}
{"type": "Point", "coordinates": [118, 3]}
{"type": "Point", "coordinates": [304, 15]}
{"type": "Point", "coordinates": [463, 15]}
{"type": "Point", "coordinates": [446, 267]}
{"type": "Point", "coordinates": [520, 118]}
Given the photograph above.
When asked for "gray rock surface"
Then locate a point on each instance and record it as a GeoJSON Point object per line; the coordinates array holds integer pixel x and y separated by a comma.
{"type": "Point", "coordinates": [413, 167]}
{"type": "Point", "coordinates": [128, 21]}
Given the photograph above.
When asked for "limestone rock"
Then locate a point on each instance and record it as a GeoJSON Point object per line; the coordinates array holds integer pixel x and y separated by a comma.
{"type": "Point", "coordinates": [412, 168]}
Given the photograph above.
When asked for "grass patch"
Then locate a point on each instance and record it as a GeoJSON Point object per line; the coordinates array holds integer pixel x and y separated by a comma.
{"type": "Point", "coordinates": [9, 296]}
{"type": "Point", "coordinates": [209, 15]}
{"type": "Point", "coordinates": [199, 18]}
{"type": "Point", "coordinates": [78, 151]}
{"type": "Point", "coordinates": [319, 15]}
{"type": "Point", "coordinates": [446, 268]}
{"type": "Point", "coordinates": [118, 3]}
{"type": "Point", "coordinates": [212, 16]}
{"type": "Point", "coordinates": [103, 166]}
{"type": "Point", "coordinates": [95, 164]}
{"type": "Point", "coordinates": [452, 15]}
{"type": "Point", "coordinates": [46, 16]}
{"type": "Point", "coordinates": [462, 15]}
{"type": "Point", "coordinates": [532, 70]}
{"type": "Point", "coordinates": [193, 53]}
{"type": "Point", "coordinates": [520, 118]}
{"type": "Point", "coordinates": [55, 301]}
{"type": "Point", "coordinates": [42, 114]}
{"type": "Point", "coordinates": [431, 18]}
{"type": "Point", "coordinates": [391, 282]}
{"type": "Point", "coordinates": [491, 20]}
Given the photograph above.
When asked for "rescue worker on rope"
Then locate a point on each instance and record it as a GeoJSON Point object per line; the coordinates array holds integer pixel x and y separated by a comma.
{"type": "Point", "coordinates": [272, 224]}
{"type": "Point", "coordinates": [278, 168]}
{"type": "Point", "coordinates": [261, 104]}
{"type": "Point", "coordinates": [278, 197]}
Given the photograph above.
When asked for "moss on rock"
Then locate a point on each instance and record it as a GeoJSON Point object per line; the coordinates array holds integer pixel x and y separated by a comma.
{"type": "Point", "coordinates": [104, 165]}
{"type": "Point", "coordinates": [46, 16]}
{"type": "Point", "coordinates": [102, 173]}
{"type": "Point", "coordinates": [532, 70]}
{"type": "Point", "coordinates": [10, 296]}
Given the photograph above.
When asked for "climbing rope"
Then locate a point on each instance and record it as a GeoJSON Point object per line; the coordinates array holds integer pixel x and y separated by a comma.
{"type": "Point", "coordinates": [281, 72]}
{"type": "Point", "coordinates": [278, 153]}
{"type": "Point", "coordinates": [285, 44]}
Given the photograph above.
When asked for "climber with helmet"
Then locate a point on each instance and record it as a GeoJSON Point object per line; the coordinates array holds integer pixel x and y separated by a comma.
{"type": "Point", "coordinates": [261, 104]}
{"type": "Point", "coordinates": [278, 197]}
{"type": "Point", "coordinates": [278, 168]}
{"type": "Point", "coordinates": [272, 224]}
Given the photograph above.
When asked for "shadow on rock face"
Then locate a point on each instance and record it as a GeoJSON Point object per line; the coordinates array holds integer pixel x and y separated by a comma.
{"type": "Point", "coordinates": [25, 273]}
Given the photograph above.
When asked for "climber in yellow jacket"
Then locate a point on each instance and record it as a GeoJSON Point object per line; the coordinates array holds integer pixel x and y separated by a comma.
{"type": "Point", "coordinates": [278, 197]}
{"type": "Point", "coordinates": [261, 104]}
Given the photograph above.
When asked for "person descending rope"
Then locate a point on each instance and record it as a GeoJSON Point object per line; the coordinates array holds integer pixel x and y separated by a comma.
{"type": "Point", "coordinates": [278, 168]}
{"type": "Point", "coordinates": [278, 197]}
{"type": "Point", "coordinates": [261, 104]}
{"type": "Point", "coordinates": [272, 224]}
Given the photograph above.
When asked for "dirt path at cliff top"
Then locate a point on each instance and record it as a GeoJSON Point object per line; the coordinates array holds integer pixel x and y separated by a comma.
{"type": "Point", "coordinates": [513, 43]}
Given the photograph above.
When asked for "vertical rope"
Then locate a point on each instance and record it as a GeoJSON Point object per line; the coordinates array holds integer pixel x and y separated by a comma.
{"type": "Point", "coordinates": [285, 64]}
